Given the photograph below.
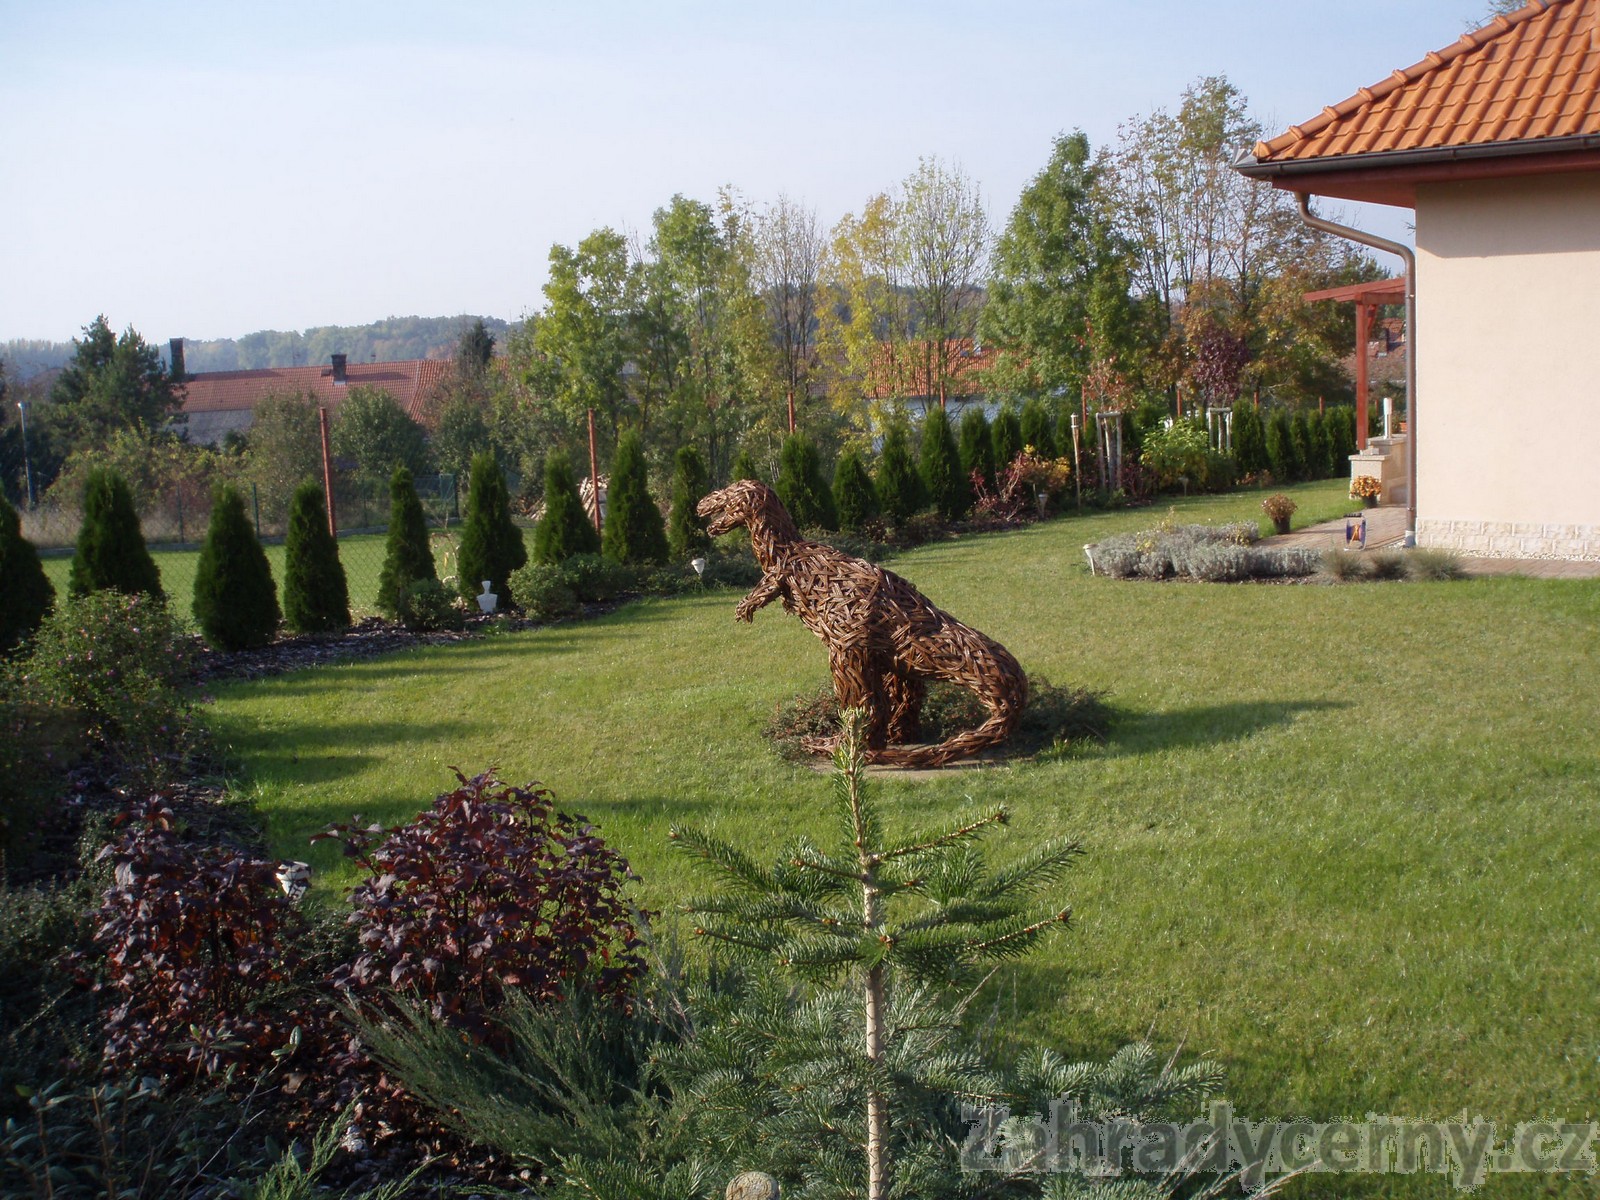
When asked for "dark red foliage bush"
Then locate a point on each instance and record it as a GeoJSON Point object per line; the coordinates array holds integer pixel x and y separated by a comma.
{"type": "Point", "coordinates": [194, 940]}
{"type": "Point", "coordinates": [490, 891]}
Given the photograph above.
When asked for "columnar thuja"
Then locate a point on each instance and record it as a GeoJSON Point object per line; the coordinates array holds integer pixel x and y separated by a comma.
{"type": "Point", "coordinates": [901, 919]}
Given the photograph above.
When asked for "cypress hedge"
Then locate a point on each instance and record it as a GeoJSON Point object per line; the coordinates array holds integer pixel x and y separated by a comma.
{"type": "Point", "coordinates": [946, 484]}
{"type": "Point", "coordinates": [1038, 430]}
{"type": "Point", "coordinates": [900, 492]}
{"type": "Point", "coordinates": [1249, 439]}
{"type": "Point", "coordinates": [316, 595]}
{"type": "Point", "coordinates": [855, 500]}
{"type": "Point", "coordinates": [1280, 446]}
{"type": "Point", "coordinates": [686, 531]}
{"type": "Point", "coordinates": [633, 531]}
{"type": "Point", "coordinates": [1006, 433]}
{"type": "Point", "coordinates": [801, 485]}
{"type": "Point", "coordinates": [566, 528]}
{"type": "Point", "coordinates": [977, 446]}
{"type": "Point", "coordinates": [235, 599]}
{"type": "Point", "coordinates": [491, 544]}
{"type": "Point", "coordinates": [407, 553]}
{"type": "Point", "coordinates": [1300, 440]}
{"type": "Point", "coordinates": [111, 553]}
{"type": "Point", "coordinates": [26, 594]}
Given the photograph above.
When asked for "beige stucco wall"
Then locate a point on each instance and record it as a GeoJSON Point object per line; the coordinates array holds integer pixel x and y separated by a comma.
{"type": "Point", "coordinates": [1508, 366]}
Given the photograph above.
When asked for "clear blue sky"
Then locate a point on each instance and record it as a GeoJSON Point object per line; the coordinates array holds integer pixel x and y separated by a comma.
{"type": "Point", "coordinates": [208, 170]}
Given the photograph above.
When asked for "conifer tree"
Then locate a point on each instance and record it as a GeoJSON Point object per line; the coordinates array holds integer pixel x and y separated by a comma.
{"type": "Point", "coordinates": [1319, 451]}
{"type": "Point", "coordinates": [686, 530]}
{"type": "Point", "coordinates": [111, 552]}
{"type": "Point", "coordinates": [26, 594]}
{"type": "Point", "coordinates": [946, 485]}
{"type": "Point", "coordinates": [1249, 439]}
{"type": "Point", "coordinates": [1280, 446]}
{"type": "Point", "coordinates": [633, 531]}
{"type": "Point", "coordinates": [1300, 441]}
{"type": "Point", "coordinates": [235, 599]}
{"type": "Point", "coordinates": [855, 500]}
{"type": "Point", "coordinates": [882, 914]}
{"type": "Point", "coordinates": [801, 485]}
{"type": "Point", "coordinates": [316, 595]}
{"type": "Point", "coordinates": [744, 466]}
{"type": "Point", "coordinates": [977, 446]}
{"type": "Point", "coordinates": [407, 552]}
{"type": "Point", "coordinates": [491, 544]}
{"type": "Point", "coordinates": [1342, 433]}
{"type": "Point", "coordinates": [1038, 430]}
{"type": "Point", "coordinates": [1007, 435]}
{"type": "Point", "coordinates": [566, 528]}
{"type": "Point", "coordinates": [900, 492]}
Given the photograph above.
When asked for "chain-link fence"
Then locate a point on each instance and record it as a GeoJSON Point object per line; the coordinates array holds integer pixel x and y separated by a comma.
{"type": "Point", "coordinates": [173, 520]}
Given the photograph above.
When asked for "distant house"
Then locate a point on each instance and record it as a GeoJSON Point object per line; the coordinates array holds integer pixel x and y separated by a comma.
{"type": "Point", "coordinates": [217, 403]}
{"type": "Point", "coordinates": [1494, 141]}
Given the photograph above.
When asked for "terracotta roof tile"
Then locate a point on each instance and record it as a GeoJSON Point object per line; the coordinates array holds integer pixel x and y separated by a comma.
{"type": "Point", "coordinates": [410, 382]}
{"type": "Point", "coordinates": [1530, 75]}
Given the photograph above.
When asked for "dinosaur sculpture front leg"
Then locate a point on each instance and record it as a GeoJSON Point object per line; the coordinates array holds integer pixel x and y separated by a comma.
{"type": "Point", "coordinates": [763, 594]}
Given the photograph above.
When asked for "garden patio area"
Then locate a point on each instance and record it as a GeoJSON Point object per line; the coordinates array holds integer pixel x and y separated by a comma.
{"type": "Point", "coordinates": [1341, 838]}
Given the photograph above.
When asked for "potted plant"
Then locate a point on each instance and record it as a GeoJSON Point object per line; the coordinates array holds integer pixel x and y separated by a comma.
{"type": "Point", "coordinates": [1280, 508]}
{"type": "Point", "coordinates": [1366, 489]}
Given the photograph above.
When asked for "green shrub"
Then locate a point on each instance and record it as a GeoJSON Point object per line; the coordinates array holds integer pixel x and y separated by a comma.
{"type": "Point", "coordinates": [1177, 453]}
{"type": "Point", "coordinates": [120, 663]}
{"type": "Point", "coordinates": [855, 500]}
{"type": "Point", "coordinates": [45, 1014]}
{"type": "Point", "coordinates": [596, 579]}
{"type": "Point", "coordinates": [1319, 447]}
{"type": "Point", "coordinates": [111, 553]}
{"type": "Point", "coordinates": [1006, 435]}
{"type": "Point", "coordinates": [686, 531]}
{"type": "Point", "coordinates": [900, 492]}
{"type": "Point", "coordinates": [26, 593]}
{"type": "Point", "coordinates": [427, 605]}
{"type": "Point", "coordinates": [1343, 566]}
{"type": "Point", "coordinates": [946, 484]}
{"type": "Point", "coordinates": [1434, 565]}
{"type": "Point", "coordinates": [1300, 441]}
{"type": "Point", "coordinates": [744, 466]}
{"type": "Point", "coordinates": [1249, 438]}
{"type": "Point", "coordinates": [407, 554]}
{"type": "Point", "coordinates": [977, 446]}
{"type": "Point", "coordinates": [566, 528]}
{"type": "Point", "coordinates": [544, 592]}
{"type": "Point", "coordinates": [1386, 565]}
{"type": "Point", "coordinates": [1281, 458]}
{"type": "Point", "coordinates": [802, 486]}
{"type": "Point", "coordinates": [316, 596]}
{"type": "Point", "coordinates": [1038, 430]}
{"type": "Point", "coordinates": [633, 529]}
{"type": "Point", "coordinates": [491, 544]}
{"type": "Point", "coordinates": [235, 599]}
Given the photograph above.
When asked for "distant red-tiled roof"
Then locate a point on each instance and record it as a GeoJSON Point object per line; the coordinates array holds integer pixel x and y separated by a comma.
{"type": "Point", "coordinates": [410, 382]}
{"type": "Point", "coordinates": [1527, 83]}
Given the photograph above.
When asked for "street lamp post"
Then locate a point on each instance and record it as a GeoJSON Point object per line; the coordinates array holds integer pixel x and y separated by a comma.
{"type": "Point", "coordinates": [27, 465]}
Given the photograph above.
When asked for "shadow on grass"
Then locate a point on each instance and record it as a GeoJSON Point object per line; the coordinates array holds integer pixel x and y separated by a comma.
{"type": "Point", "coordinates": [1209, 725]}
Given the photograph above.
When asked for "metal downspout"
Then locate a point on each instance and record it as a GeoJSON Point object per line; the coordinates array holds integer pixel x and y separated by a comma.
{"type": "Point", "coordinates": [1409, 257]}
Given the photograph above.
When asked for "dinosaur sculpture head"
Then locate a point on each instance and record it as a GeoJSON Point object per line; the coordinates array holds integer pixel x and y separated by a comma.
{"type": "Point", "coordinates": [739, 504]}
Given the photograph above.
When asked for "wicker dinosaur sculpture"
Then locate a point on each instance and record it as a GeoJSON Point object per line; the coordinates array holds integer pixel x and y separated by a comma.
{"type": "Point", "coordinates": [884, 639]}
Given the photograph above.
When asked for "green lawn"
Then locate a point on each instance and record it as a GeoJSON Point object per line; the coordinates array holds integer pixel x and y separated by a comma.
{"type": "Point", "coordinates": [1343, 838]}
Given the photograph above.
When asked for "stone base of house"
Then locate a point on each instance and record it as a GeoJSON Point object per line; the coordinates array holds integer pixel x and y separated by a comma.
{"type": "Point", "coordinates": [1512, 539]}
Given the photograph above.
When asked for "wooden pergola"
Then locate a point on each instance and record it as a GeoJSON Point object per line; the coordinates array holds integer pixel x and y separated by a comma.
{"type": "Point", "coordinates": [1368, 299]}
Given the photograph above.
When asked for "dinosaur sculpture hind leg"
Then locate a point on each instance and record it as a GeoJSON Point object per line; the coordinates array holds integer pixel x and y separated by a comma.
{"type": "Point", "coordinates": [970, 660]}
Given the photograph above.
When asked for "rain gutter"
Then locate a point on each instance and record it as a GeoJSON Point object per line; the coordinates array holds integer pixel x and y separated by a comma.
{"type": "Point", "coordinates": [1409, 257]}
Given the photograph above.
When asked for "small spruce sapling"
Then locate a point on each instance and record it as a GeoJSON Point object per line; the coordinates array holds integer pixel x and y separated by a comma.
{"type": "Point", "coordinates": [686, 530]}
{"type": "Point", "coordinates": [407, 554]}
{"type": "Point", "coordinates": [111, 553]}
{"type": "Point", "coordinates": [491, 544]}
{"type": "Point", "coordinates": [565, 529]}
{"type": "Point", "coordinates": [235, 599]}
{"type": "Point", "coordinates": [888, 914]}
{"type": "Point", "coordinates": [26, 594]}
{"type": "Point", "coordinates": [633, 531]}
{"type": "Point", "coordinates": [316, 595]}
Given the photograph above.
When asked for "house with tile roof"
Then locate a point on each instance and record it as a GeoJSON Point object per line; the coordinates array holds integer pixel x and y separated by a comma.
{"type": "Point", "coordinates": [1494, 142]}
{"type": "Point", "coordinates": [216, 403]}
